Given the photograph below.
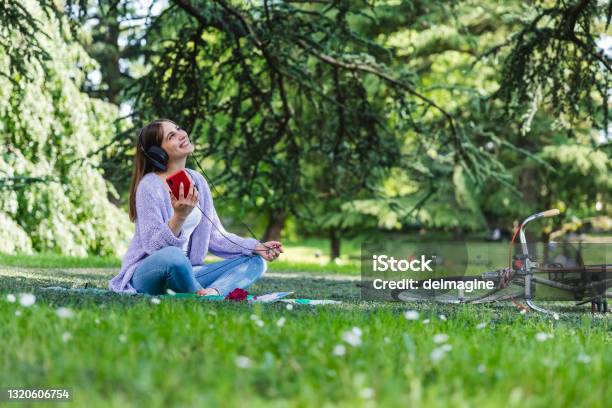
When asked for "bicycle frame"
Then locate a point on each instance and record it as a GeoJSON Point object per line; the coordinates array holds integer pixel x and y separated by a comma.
{"type": "Point", "coordinates": [529, 264]}
{"type": "Point", "coordinates": [524, 271]}
{"type": "Point", "coordinates": [531, 268]}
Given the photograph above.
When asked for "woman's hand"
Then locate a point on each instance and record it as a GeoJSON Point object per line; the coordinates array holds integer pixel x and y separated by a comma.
{"type": "Point", "coordinates": [182, 207]}
{"type": "Point", "coordinates": [207, 292]}
{"type": "Point", "coordinates": [269, 250]}
{"type": "Point", "coordinates": [185, 203]}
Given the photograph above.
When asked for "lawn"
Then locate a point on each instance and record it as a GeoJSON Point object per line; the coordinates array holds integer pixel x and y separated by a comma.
{"type": "Point", "coordinates": [305, 255]}
{"type": "Point", "coordinates": [114, 350]}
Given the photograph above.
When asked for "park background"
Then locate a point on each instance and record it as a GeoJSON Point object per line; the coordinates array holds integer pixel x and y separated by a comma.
{"type": "Point", "coordinates": [324, 124]}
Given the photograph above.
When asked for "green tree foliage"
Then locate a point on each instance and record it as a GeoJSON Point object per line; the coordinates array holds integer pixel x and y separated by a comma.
{"type": "Point", "coordinates": [16, 20]}
{"type": "Point", "coordinates": [348, 115]}
{"type": "Point", "coordinates": [297, 108]}
{"type": "Point", "coordinates": [111, 33]}
{"type": "Point", "coordinates": [306, 106]}
{"type": "Point", "coordinates": [554, 60]}
{"type": "Point", "coordinates": [52, 195]}
{"type": "Point", "coordinates": [467, 54]}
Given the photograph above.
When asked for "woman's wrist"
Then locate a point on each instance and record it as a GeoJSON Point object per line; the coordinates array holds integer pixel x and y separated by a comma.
{"type": "Point", "coordinates": [269, 250]}
{"type": "Point", "coordinates": [176, 223]}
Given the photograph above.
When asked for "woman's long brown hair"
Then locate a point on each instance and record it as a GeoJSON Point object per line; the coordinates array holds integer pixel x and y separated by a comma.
{"type": "Point", "coordinates": [152, 135]}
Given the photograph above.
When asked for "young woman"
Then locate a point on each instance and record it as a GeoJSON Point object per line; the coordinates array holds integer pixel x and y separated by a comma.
{"type": "Point", "coordinates": [172, 236]}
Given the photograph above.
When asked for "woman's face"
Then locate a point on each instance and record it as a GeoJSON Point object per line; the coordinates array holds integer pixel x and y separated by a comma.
{"type": "Point", "coordinates": [176, 141]}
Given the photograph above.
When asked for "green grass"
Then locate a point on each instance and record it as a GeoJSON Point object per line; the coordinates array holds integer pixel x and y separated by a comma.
{"type": "Point", "coordinates": [127, 351]}
{"type": "Point", "coordinates": [308, 255]}
{"type": "Point", "coordinates": [52, 260]}
{"type": "Point", "coordinates": [304, 256]}
{"type": "Point", "coordinates": [323, 267]}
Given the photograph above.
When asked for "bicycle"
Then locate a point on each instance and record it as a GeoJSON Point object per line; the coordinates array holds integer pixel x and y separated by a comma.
{"type": "Point", "coordinates": [585, 283]}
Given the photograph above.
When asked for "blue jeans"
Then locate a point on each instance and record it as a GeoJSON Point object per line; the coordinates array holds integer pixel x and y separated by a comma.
{"type": "Point", "coordinates": [169, 268]}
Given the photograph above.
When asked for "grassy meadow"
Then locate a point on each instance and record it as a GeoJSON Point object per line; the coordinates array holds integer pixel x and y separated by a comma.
{"type": "Point", "coordinates": [122, 351]}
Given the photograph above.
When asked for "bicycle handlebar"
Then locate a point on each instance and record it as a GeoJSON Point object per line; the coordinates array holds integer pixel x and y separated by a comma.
{"type": "Point", "coordinates": [547, 213]}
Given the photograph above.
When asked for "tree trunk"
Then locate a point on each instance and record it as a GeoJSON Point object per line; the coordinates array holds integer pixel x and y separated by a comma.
{"type": "Point", "coordinates": [334, 248]}
{"type": "Point", "coordinates": [106, 51]}
{"type": "Point", "coordinates": [276, 223]}
{"type": "Point", "coordinates": [458, 234]}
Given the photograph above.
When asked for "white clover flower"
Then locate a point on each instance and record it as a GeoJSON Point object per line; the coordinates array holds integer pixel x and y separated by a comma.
{"type": "Point", "coordinates": [583, 358]}
{"type": "Point", "coordinates": [549, 362]}
{"type": "Point", "coordinates": [339, 350]}
{"type": "Point", "coordinates": [556, 316]}
{"type": "Point", "coordinates": [67, 336]}
{"type": "Point", "coordinates": [257, 320]}
{"type": "Point", "coordinates": [17, 312]}
{"type": "Point", "coordinates": [543, 336]}
{"type": "Point", "coordinates": [353, 336]}
{"type": "Point", "coordinates": [425, 321]}
{"type": "Point", "coordinates": [366, 393]}
{"type": "Point", "coordinates": [481, 326]}
{"type": "Point", "coordinates": [440, 338]}
{"type": "Point", "coordinates": [27, 299]}
{"type": "Point", "coordinates": [411, 315]}
{"type": "Point", "coordinates": [289, 306]}
{"type": "Point", "coordinates": [155, 300]}
{"type": "Point", "coordinates": [64, 313]}
{"type": "Point", "coordinates": [446, 347]}
{"type": "Point", "coordinates": [243, 362]}
{"type": "Point", "coordinates": [280, 322]}
{"type": "Point", "coordinates": [437, 354]}
{"type": "Point", "coordinates": [170, 292]}
{"type": "Point", "coordinates": [11, 298]}
{"type": "Point", "coordinates": [442, 317]}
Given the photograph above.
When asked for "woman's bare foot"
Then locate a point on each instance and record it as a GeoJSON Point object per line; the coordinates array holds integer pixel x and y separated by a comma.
{"type": "Point", "coordinates": [208, 292]}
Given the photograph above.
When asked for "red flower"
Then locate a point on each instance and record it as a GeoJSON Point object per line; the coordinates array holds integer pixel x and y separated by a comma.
{"type": "Point", "coordinates": [237, 295]}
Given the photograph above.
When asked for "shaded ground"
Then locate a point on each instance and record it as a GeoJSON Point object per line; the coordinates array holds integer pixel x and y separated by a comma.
{"type": "Point", "coordinates": [309, 285]}
{"type": "Point", "coordinates": [306, 285]}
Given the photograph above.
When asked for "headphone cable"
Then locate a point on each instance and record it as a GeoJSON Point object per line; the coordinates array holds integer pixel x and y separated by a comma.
{"type": "Point", "coordinates": [213, 224]}
{"type": "Point", "coordinates": [225, 236]}
{"type": "Point", "coordinates": [141, 145]}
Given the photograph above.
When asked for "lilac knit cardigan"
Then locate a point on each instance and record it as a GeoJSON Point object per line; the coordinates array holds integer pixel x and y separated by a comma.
{"type": "Point", "coordinates": [154, 210]}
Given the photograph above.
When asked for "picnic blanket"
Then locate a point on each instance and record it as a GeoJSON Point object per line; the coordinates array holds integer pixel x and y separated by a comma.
{"type": "Point", "coordinates": [265, 298]}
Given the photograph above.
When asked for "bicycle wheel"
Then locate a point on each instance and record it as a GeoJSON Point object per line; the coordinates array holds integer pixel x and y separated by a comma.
{"type": "Point", "coordinates": [460, 295]}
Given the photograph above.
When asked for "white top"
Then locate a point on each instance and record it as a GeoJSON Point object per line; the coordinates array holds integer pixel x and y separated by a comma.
{"type": "Point", "coordinates": [190, 224]}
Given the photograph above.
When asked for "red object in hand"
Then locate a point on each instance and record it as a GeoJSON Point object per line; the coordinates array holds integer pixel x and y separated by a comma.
{"type": "Point", "coordinates": [237, 295]}
{"type": "Point", "coordinates": [174, 181]}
